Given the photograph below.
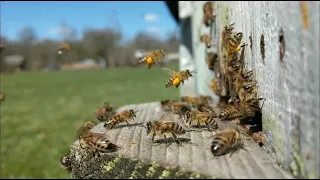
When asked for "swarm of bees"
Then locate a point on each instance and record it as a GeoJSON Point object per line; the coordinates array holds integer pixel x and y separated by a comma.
{"type": "Point", "coordinates": [239, 103]}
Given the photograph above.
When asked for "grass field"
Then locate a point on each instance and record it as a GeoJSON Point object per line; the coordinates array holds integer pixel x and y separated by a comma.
{"type": "Point", "coordinates": [42, 112]}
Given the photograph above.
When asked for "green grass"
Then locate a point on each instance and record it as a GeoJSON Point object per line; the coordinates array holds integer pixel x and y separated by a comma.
{"type": "Point", "coordinates": [42, 112]}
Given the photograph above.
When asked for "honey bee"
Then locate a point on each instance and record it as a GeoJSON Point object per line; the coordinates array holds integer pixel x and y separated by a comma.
{"type": "Point", "coordinates": [2, 96]}
{"type": "Point", "coordinates": [160, 127]}
{"type": "Point", "coordinates": [240, 78]}
{"type": "Point", "coordinates": [123, 116]}
{"type": "Point", "coordinates": [211, 60]}
{"type": "Point", "coordinates": [180, 109]}
{"type": "Point", "coordinates": [200, 118]}
{"type": "Point", "coordinates": [166, 104]}
{"type": "Point", "coordinates": [227, 31]}
{"type": "Point", "coordinates": [177, 78]}
{"type": "Point", "coordinates": [95, 141]}
{"type": "Point", "coordinates": [230, 112]}
{"type": "Point", "coordinates": [206, 39]}
{"type": "Point", "coordinates": [152, 58]}
{"type": "Point", "coordinates": [206, 108]}
{"type": "Point", "coordinates": [205, 99]}
{"type": "Point", "coordinates": [226, 141]}
{"type": "Point", "coordinates": [240, 110]}
{"type": "Point", "coordinates": [247, 91]}
{"type": "Point", "coordinates": [215, 86]}
{"type": "Point", "coordinates": [65, 161]}
{"type": "Point", "coordinates": [258, 138]}
{"type": "Point", "coordinates": [208, 16]}
{"type": "Point", "coordinates": [104, 113]}
{"type": "Point", "coordinates": [193, 101]}
{"type": "Point", "coordinates": [65, 47]}
{"type": "Point", "coordinates": [234, 44]}
{"type": "Point", "coordinates": [85, 129]}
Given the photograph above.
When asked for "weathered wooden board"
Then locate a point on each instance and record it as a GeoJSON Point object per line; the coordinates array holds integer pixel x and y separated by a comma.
{"type": "Point", "coordinates": [139, 158]}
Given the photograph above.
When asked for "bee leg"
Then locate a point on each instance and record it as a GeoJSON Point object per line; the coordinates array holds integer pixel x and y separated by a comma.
{"type": "Point", "coordinates": [96, 153]}
{"type": "Point", "coordinates": [149, 66]}
{"type": "Point", "coordinates": [153, 135]}
{"type": "Point", "coordinates": [128, 124]}
{"type": "Point", "coordinates": [165, 139]}
{"type": "Point", "coordinates": [176, 138]}
{"type": "Point", "coordinates": [198, 124]}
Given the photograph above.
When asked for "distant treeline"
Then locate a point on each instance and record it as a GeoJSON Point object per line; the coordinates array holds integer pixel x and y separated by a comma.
{"type": "Point", "coordinates": [95, 44]}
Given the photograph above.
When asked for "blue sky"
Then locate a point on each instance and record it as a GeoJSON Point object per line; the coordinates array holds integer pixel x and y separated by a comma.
{"type": "Point", "coordinates": [46, 17]}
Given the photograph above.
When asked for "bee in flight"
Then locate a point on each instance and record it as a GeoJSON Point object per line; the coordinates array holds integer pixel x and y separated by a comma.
{"type": "Point", "coordinates": [2, 96]}
{"type": "Point", "coordinates": [104, 113]}
{"type": "Point", "coordinates": [65, 47]}
{"type": "Point", "coordinates": [226, 141]}
{"type": "Point", "coordinates": [161, 127]}
{"type": "Point", "coordinates": [152, 58]}
{"type": "Point", "coordinates": [177, 78]}
{"type": "Point", "coordinates": [123, 116]}
{"type": "Point", "coordinates": [65, 161]}
{"type": "Point", "coordinates": [200, 118]}
{"type": "Point", "coordinates": [94, 141]}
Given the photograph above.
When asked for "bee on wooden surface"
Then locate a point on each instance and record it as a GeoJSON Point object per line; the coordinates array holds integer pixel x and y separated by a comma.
{"type": "Point", "coordinates": [226, 141]}
{"type": "Point", "coordinates": [166, 104]}
{"type": "Point", "coordinates": [200, 118]}
{"type": "Point", "coordinates": [211, 60]}
{"type": "Point", "coordinates": [2, 96]}
{"type": "Point", "coordinates": [95, 141]}
{"type": "Point", "coordinates": [152, 58]}
{"type": "Point", "coordinates": [215, 86]}
{"type": "Point", "coordinates": [192, 101]}
{"type": "Point", "coordinates": [258, 138]}
{"type": "Point", "coordinates": [207, 39]}
{"type": "Point", "coordinates": [180, 109]}
{"type": "Point", "coordinates": [230, 112]}
{"type": "Point", "coordinates": [65, 161]}
{"type": "Point", "coordinates": [65, 47]}
{"type": "Point", "coordinates": [208, 13]}
{"type": "Point", "coordinates": [177, 78]}
{"type": "Point", "coordinates": [104, 113]}
{"type": "Point", "coordinates": [205, 99]}
{"type": "Point", "coordinates": [123, 116]}
{"type": "Point", "coordinates": [85, 129]}
{"type": "Point", "coordinates": [158, 127]}
{"type": "Point", "coordinates": [207, 108]}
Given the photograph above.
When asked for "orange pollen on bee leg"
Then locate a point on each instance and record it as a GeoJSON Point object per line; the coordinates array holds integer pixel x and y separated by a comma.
{"type": "Point", "coordinates": [149, 60]}
{"type": "Point", "coordinates": [176, 81]}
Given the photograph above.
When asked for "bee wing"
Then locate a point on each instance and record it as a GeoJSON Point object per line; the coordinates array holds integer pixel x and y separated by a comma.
{"type": "Point", "coordinates": [169, 71]}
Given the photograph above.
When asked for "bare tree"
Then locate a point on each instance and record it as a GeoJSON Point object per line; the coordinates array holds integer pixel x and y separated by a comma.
{"type": "Point", "coordinates": [102, 43]}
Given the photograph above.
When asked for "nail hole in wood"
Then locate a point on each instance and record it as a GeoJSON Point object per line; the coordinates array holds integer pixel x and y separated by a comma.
{"type": "Point", "coordinates": [282, 47]}
{"type": "Point", "coordinates": [262, 47]}
{"type": "Point", "coordinates": [250, 38]}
